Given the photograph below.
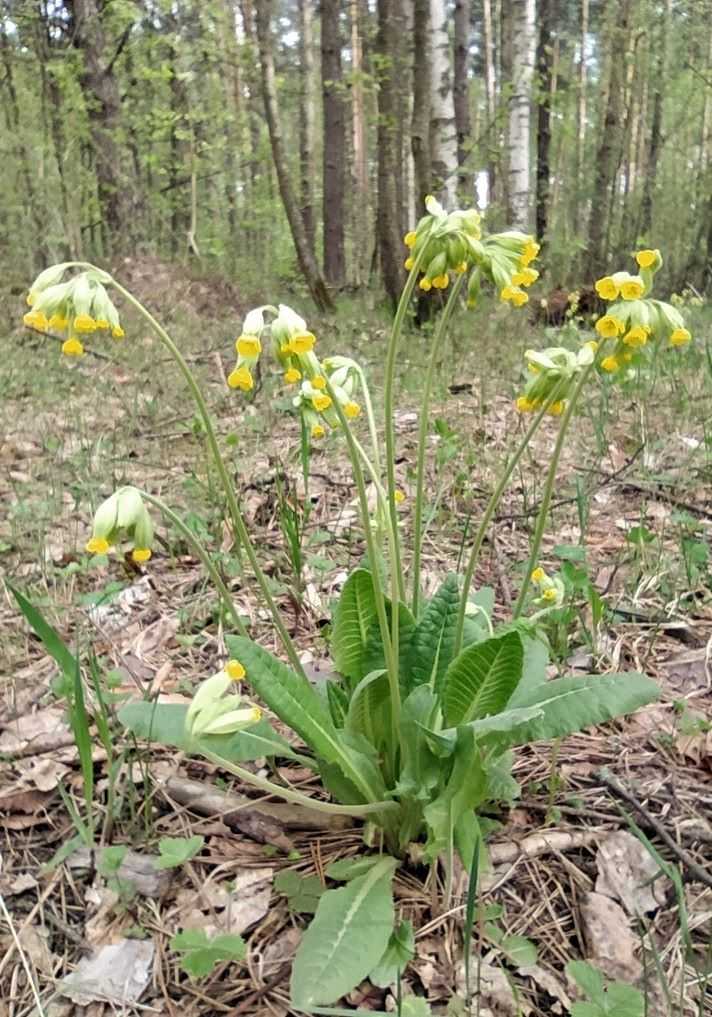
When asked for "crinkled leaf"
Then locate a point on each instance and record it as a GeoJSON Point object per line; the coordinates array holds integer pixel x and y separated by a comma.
{"type": "Point", "coordinates": [370, 709]}
{"type": "Point", "coordinates": [353, 618]}
{"type": "Point", "coordinates": [374, 658]}
{"type": "Point", "coordinates": [346, 940]}
{"type": "Point", "coordinates": [434, 637]}
{"type": "Point", "coordinates": [479, 682]}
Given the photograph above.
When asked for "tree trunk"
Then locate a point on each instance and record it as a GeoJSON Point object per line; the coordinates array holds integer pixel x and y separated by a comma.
{"type": "Point", "coordinates": [545, 87]}
{"type": "Point", "coordinates": [360, 153]}
{"type": "Point", "coordinates": [305, 254]}
{"type": "Point", "coordinates": [608, 152]}
{"type": "Point", "coordinates": [420, 123]}
{"type": "Point", "coordinates": [461, 93]}
{"type": "Point", "coordinates": [307, 121]}
{"type": "Point", "coordinates": [103, 100]}
{"type": "Point", "coordinates": [443, 132]}
{"type": "Point", "coordinates": [523, 45]}
{"type": "Point", "coordinates": [389, 240]}
{"type": "Point", "coordinates": [334, 142]}
{"type": "Point", "coordinates": [659, 79]}
{"type": "Point", "coordinates": [490, 96]}
{"type": "Point", "coordinates": [581, 108]}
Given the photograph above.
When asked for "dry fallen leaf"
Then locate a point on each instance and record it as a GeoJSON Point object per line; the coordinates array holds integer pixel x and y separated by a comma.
{"type": "Point", "coordinates": [40, 731]}
{"type": "Point", "coordinates": [626, 871]}
{"type": "Point", "coordinates": [610, 942]}
{"type": "Point", "coordinates": [117, 973]}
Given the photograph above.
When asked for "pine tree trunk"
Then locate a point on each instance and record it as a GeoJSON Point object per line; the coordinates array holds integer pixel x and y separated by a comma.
{"type": "Point", "coordinates": [305, 255]}
{"type": "Point", "coordinates": [360, 205]}
{"type": "Point", "coordinates": [334, 142]}
{"type": "Point", "coordinates": [581, 108]}
{"type": "Point", "coordinates": [545, 87]}
{"type": "Point", "coordinates": [103, 100]}
{"type": "Point", "coordinates": [659, 79]}
{"type": "Point", "coordinates": [461, 93]}
{"type": "Point", "coordinates": [609, 148]}
{"type": "Point", "coordinates": [420, 123]}
{"type": "Point", "coordinates": [443, 132]}
{"type": "Point", "coordinates": [387, 219]}
{"type": "Point", "coordinates": [523, 45]}
{"type": "Point", "coordinates": [307, 123]}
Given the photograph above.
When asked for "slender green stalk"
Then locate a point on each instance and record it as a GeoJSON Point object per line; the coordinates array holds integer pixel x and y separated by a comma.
{"type": "Point", "coordinates": [489, 512]}
{"type": "Point", "coordinates": [238, 522]}
{"type": "Point", "coordinates": [549, 489]}
{"type": "Point", "coordinates": [371, 418]}
{"type": "Point", "coordinates": [356, 453]}
{"type": "Point", "coordinates": [423, 428]}
{"type": "Point", "coordinates": [201, 552]}
{"type": "Point", "coordinates": [388, 400]}
{"type": "Point", "coordinates": [289, 795]}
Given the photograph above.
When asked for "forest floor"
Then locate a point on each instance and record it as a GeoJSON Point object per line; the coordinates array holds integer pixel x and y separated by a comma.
{"type": "Point", "coordinates": [568, 873]}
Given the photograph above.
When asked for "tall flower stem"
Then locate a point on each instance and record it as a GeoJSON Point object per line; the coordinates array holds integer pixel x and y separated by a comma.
{"type": "Point", "coordinates": [388, 401]}
{"type": "Point", "coordinates": [238, 522]}
{"type": "Point", "coordinates": [202, 553]}
{"type": "Point", "coordinates": [549, 489]}
{"type": "Point", "coordinates": [489, 512]}
{"type": "Point", "coordinates": [423, 428]}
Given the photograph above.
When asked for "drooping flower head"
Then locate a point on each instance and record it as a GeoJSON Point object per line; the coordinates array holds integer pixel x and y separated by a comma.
{"type": "Point", "coordinates": [215, 711]}
{"type": "Point", "coordinates": [553, 374]}
{"type": "Point", "coordinates": [73, 309]}
{"type": "Point", "coordinates": [123, 516]}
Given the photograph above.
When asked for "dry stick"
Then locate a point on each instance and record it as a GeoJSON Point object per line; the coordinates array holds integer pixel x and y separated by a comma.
{"type": "Point", "coordinates": [700, 874]}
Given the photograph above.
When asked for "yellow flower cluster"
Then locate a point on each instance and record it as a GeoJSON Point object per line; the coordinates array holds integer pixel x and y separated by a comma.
{"type": "Point", "coordinates": [452, 242]}
{"type": "Point", "coordinates": [73, 309]}
{"type": "Point", "coordinates": [551, 590]}
{"type": "Point", "coordinates": [553, 372]}
{"type": "Point", "coordinates": [635, 319]}
{"type": "Point", "coordinates": [123, 516]}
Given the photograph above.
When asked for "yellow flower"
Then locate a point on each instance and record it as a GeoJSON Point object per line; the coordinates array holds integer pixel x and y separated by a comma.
{"type": "Point", "coordinates": [410, 238]}
{"type": "Point", "coordinates": [550, 595]}
{"type": "Point", "coordinates": [425, 284]}
{"type": "Point", "coordinates": [461, 268]}
{"type": "Point", "coordinates": [592, 346]}
{"type": "Point", "coordinates": [531, 250]}
{"type": "Point", "coordinates": [632, 289]}
{"type": "Point", "coordinates": [317, 431]}
{"type": "Point", "coordinates": [72, 347]}
{"type": "Point", "coordinates": [538, 575]}
{"type": "Point", "coordinates": [302, 342]}
{"type": "Point", "coordinates": [408, 264]}
{"type": "Point", "coordinates": [292, 376]}
{"type": "Point", "coordinates": [141, 554]}
{"type": "Point", "coordinates": [636, 336]}
{"type": "Point", "coordinates": [58, 323]}
{"type": "Point", "coordinates": [36, 320]}
{"type": "Point", "coordinates": [84, 323]}
{"type": "Point", "coordinates": [514, 295]}
{"type": "Point", "coordinates": [234, 670]}
{"type": "Point", "coordinates": [534, 368]}
{"type": "Point", "coordinates": [321, 402]}
{"type": "Point", "coordinates": [609, 327]}
{"type": "Point", "coordinates": [319, 382]}
{"type": "Point", "coordinates": [627, 356]}
{"type": "Point", "coordinates": [102, 324]}
{"type": "Point", "coordinates": [646, 258]}
{"type": "Point", "coordinates": [351, 409]}
{"type": "Point", "coordinates": [556, 409]}
{"type": "Point", "coordinates": [399, 496]}
{"type": "Point", "coordinates": [97, 545]}
{"type": "Point", "coordinates": [248, 346]}
{"type": "Point", "coordinates": [117, 332]}
{"type": "Point", "coordinates": [31, 298]}
{"type": "Point", "coordinates": [525, 405]}
{"type": "Point", "coordinates": [241, 378]}
{"type": "Point", "coordinates": [679, 337]}
{"type": "Point", "coordinates": [610, 364]}
{"type": "Point", "coordinates": [525, 277]}
{"type": "Point", "coordinates": [440, 282]}
{"type": "Point", "coordinates": [607, 288]}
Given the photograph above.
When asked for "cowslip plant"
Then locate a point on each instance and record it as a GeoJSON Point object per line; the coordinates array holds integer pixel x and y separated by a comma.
{"type": "Point", "coordinates": [416, 732]}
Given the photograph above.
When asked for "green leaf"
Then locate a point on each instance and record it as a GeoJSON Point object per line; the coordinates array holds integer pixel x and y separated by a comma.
{"type": "Point", "coordinates": [165, 723]}
{"type": "Point", "coordinates": [200, 954]}
{"type": "Point", "coordinates": [519, 950]}
{"type": "Point", "coordinates": [572, 704]}
{"type": "Point", "coordinates": [588, 979]}
{"type": "Point", "coordinates": [175, 851]}
{"type": "Point", "coordinates": [296, 703]}
{"type": "Point", "coordinates": [347, 938]}
{"type": "Point", "coordinates": [370, 709]}
{"type": "Point", "coordinates": [374, 658]}
{"type": "Point", "coordinates": [338, 702]}
{"type": "Point", "coordinates": [464, 791]}
{"type": "Point", "coordinates": [482, 678]}
{"type": "Point", "coordinates": [302, 892]}
{"type": "Point", "coordinates": [345, 869]}
{"type": "Point", "coordinates": [354, 615]}
{"type": "Point", "coordinates": [434, 637]}
{"type": "Point", "coordinates": [415, 1006]}
{"type": "Point", "coordinates": [51, 639]}
{"type": "Point", "coordinates": [536, 661]}
{"type": "Point", "coordinates": [398, 954]}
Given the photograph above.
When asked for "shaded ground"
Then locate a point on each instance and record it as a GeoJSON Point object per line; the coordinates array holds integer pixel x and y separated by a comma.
{"type": "Point", "coordinates": [635, 478]}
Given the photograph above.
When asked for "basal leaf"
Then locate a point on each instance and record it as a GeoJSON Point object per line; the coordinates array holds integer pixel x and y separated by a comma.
{"type": "Point", "coordinates": [346, 940]}
{"type": "Point", "coordinates": [370, 710]}
{"type": "Point", "coordinates": [200, 954]}
{"type": "Point", "coordinates": [354, 615]}
{"type": "Point", "coordinates": [536, 660]}
{"type": "Point", "coordinates": [482, 679]}
{"type": "Point", "coordinates": [302, 892]}
{"type": "Point", "coordinates": [572, 704]}
{"type": "Point", "coordinates": [434, 637]}
{"type": "Point", "coordinates": [175, 851]}
{"type": "Point", "coordinates": [338, 702]}
{"type": "Point", "coordinates": [374, 658]}
{"type": "Point", "coordinates": [398, 954]}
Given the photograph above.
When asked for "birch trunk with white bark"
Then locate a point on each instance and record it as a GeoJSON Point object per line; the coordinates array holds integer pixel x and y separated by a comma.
{"type": "Point", "coordinates": [443, 130]}
{"type": "Point", "coordinates": [523, 48]}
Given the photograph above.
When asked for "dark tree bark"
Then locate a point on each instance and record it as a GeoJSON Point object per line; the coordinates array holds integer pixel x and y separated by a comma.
{"type": "Point", "coordinates": [307, 127]}
{"type": "Point", "coordinates": [461, 95]}
{"type": "Point", "coordinates": [658, 79]}
{"type": "Point", "coordinates": [420, 126]}
{"type": "Point", "coordinates": [544, 69]}
{"type": "Point", "coordinates": [103, 101]}
{"type": "Point", "coordinates": [305, 255]}
{"type": "Point", "coordinates": [389, 240]}
{"type": "Point", "coordinates": [334, 142]}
